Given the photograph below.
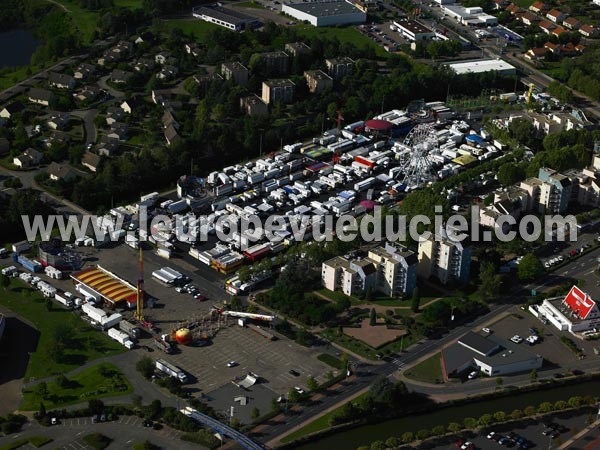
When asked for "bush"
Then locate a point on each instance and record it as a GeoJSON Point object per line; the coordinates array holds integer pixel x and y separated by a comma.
{"type": "Point", "coordinates": [202, 437]}
{"type": "Point", "coordinates": [97, 441]}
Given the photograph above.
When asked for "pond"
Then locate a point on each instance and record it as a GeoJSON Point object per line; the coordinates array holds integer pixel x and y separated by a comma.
{"type": "Point", "coordinates": [17, 47]}
{"type": "Point", "coordinates": [364, 435]}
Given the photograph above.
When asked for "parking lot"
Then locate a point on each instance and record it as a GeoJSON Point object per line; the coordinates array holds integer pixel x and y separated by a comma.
{"type": "Point", "coordinates": [557, 357]}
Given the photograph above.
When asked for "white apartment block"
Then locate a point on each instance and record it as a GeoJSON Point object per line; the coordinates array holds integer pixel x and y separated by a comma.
{"type": "Point", "coordinates": [444, 257]}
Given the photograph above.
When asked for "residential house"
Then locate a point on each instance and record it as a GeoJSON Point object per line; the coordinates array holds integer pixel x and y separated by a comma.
{"type": "Point", "coordinates": [297, 48]}
{"type": "Point", "coordinates": [114, 114]}
{"type": "Point", "coordinates": [500, 4]}
{"type": "Point", "coordinates": [236, 72]}
{"type": "Point", "coordinates": [580, 48]}
{"type": "Point", "coordinates": [41, 96]}
{"type": "Point", "coordinates": [556, 15]}
{"type": "Point", "coordinates": [22, 161]}
{"type": "Point", "coordinates": [167, 73]}
{"type": "Point", "coordinates": [58, 138]}
{"type": "Point", "coordinates": [552, 48]}
{"type": "Point", "coordinates": [58, 172]}
{"type": "Point", "coordinates": [84, 71]}
{"type": "Point", "coordinates": [159, 96]}
{"type": "Point", "coordinates": [558, 31]}
{"type": "Point", "coordinates": [11, 109]}
{"type": "Point", "coordinates": [87, 93]}
{"type": "Point", "coordinates": [161, 58]}
{"type": "Point", "coordinates": [443, 256]}
{"type": "Point", "coordinates": [278, 90]}
{"type": "Point", "coordinates": [318, 81]}
{"type": "Point", "coordinates": [144, 65]}
{"type": "Point", "coordinates": [35, 155]}
{"type": "Point", "coordinates": [588, 31]}
{"type": "Point", "coordinates": [168, 119]}
{"type": "Point", "coordinates": [539, 7]}
{"type": "Point", "coordinates": [119, 76]}
{"type": "Point", "coordinates": [58, 120]}
{"type": "Point", "coordinates": [253, 105]}
{"type": "Point", "coordinates": [107, 147]}
{"type": "Point", "coordinates": [132, 105]}
{"type": "Point", "coordinates": [536, 54]}
{"type": "Point", "coordinates": [546, 26]}
{"type": "Point", "coordinates": [529, 18]}
{"type": "Point", "coordinates": [118, 131]}
{"type": "Point", "coordinates": [61, 80]}
{"type": "Point", "coordinates": [510, 202]}
{"type": "Point", "coordinates": [171, 135]}
{"type": "Point", "coordinates": [204, 80]}
{"type": "Point", "coordinates": [91, 161]}
{"type": "Point", "coordinates": [193, 49]}
{"type": "Point", "coordinates": [338, 68]}
{"type": "Point", "coordinates": [571, 23]}
{"type": "Point", "coordinates": [4, 146]}
{"type": "Point", "coordinates": [596, 2]}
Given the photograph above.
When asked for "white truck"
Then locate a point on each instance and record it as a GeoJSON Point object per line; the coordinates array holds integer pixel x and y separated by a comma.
{"type": "Point", "coordinates": [171, 370]}
{"type": "Point", "coordinates": [121, 337]}
{"type": "Point", "coordinates": [129, 328]}
{"type": "Point", "coordinates": [64, 300]}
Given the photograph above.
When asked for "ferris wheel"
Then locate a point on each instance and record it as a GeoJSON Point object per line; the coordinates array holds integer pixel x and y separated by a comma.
{"type": "Point", "coordinates": [416, 162]}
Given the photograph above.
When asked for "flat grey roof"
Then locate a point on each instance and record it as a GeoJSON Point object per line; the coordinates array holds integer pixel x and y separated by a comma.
{"type": "Point", "coordinates": [329, 8]}
{"type": "Point", "coordinates": [478, 343]}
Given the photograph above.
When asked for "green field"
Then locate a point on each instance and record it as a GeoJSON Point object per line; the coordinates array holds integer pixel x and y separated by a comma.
{"type": "Point", "coordinates": [428, 371]}
{"type": "Point", "coordinates": [102, 380]}
{"type": "Point", "coordinates": [320, 424]}
{"type": "Point", "coordinates": [86, 343]}
{"type": "Point", "coordinates": [190, 27]}
{"type": "Point", "coordinates": [348, 35]}
{"type": "Point", "coordinates": [249, 4]}
{"type": "Point", "coordinates": [35, 441]}
{"type": "Point", "coordinates": [131, 4]}
{"type": "Point", "coordinates": [84, 20]}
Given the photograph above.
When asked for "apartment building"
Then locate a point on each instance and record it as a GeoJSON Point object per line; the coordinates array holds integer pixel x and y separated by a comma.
{"type": "Point", "coordinates": [555, 192]}
{"type": "Point", "coordinates": [236, 72]}
{"type": "Point", "coordinates": [279, 90]}
{"type": "Point", "coordinates": [390, 270]}
{"type": "Point", "coordinates": [318, 81]}
{"type": "Point", "coordinates": [444, 257]}
{"type": "Point", "coordinates": [338, 68]}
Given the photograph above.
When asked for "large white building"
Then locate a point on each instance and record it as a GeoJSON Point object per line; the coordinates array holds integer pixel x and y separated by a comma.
{"type": "Point", "coordinates": [491, 355]}
{"type": "Point", "coordinates": [483, 65]}
{"type": "Point", "coordinates": [325, 13]}
{"type": "Point", "coordinates": [228, 18]}
{"type": "Point", "coordinates": [413, 30]}
{"type": "Point", "coordinates": [391, 270]}
{"type": "Point", "coordinates": [474, 16]}
{"type": "Point", "coordinates": [577, 312]}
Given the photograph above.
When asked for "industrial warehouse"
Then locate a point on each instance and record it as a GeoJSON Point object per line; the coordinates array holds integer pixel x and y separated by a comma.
{"type": "Point", "coordinates": [325, 13]}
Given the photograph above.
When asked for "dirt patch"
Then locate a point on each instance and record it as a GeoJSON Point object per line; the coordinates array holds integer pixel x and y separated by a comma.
{"type": "Point", "coordinates": [18, 341]}
{"type": "Point", "coordinates": [375, 336]}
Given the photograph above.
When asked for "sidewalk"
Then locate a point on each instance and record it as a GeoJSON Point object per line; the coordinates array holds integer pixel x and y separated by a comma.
{"type": "Point", "coordinates": [580, 434]}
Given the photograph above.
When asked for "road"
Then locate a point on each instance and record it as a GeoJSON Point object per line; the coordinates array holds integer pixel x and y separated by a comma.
{"type": "Point", "coordinates": [88, 116]}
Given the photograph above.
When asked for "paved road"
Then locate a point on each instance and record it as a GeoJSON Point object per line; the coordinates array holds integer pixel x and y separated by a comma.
{"type": "Point", "coordinates": [112, 91]}
{"type": "Point", "coordinates": [88, 116]}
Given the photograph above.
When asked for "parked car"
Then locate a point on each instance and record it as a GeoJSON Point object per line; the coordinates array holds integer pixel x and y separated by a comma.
{"type": "Point", "coordinates": [473, 375]}
{"type": "Point", "coordinates": [232, 364]}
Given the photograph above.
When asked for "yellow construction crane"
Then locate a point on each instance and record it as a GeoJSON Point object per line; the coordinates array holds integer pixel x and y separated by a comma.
{"type": "Point", "coordinates": [530, 93]}
{"type": "Point", "coordinates": [139, 307]}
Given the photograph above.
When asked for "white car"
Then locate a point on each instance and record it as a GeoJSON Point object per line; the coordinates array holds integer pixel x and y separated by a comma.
{"type": "Point", "coordinates": [299, 390]}
{"type": "Point", "coordinates": [491, 435]}
{"type": "Point", "coordinates": [486, 330]}
{"type": "Point", "coordinates": [516, 339]}
{"type": "Point", "coordinates": [232, 364]}
{"type": "Point", "coordinates": [533, 339]}
{"type": "Point", "coordinates": [473, 375]}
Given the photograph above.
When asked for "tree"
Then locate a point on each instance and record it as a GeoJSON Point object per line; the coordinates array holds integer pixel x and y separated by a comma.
{"type": "Point", "coordinates": [533, 375]}
{"type": "Point", "coordinates": [516, 414]}
{"type": "Point", "coordinates": [236, 303]}
{"type": "Point", "coordinates": [529, 411]}
{"type": "Point", "coordinates": [311, 383]}
{"type": "Point", "coordinates": [485, 420]}
{"type": "Point", "coordinates": [530, 268]}
{"type": "Point", "coordinates": [500, 416]}
{"type": "Point", "coordinates": [423, 434]}
{"type": "Point", "coordinates": [62, 381]}
{"type": "Point", "coordinates": [55, 351]}
{"type": "Point", "coordinates": [416, 300]}
{"type": "Point", "coordinates": [560, 405]}
{"type": "Point", "coordinates": [293, 395]}
{"type": "Point", "coordinates": [490, 281]}
{"type": "Point", "coordinates": [407, 437]}
{"type": "Point", "coordinates": [373, 317]}
{"type": "Point", "coordinates": [42, 389]}
{"type": "Point", "coordinates": [255, 413]}
{"type": "Point", "coordinates": [5, 281]}
{"type": "Point", "coordinates": [438, 430]}
{"type": "Point", "coordinates": [454, 427]}
{"type": "Point", "coordinates": [244, 273]}
{"type": "Point", "coordinates": [145, 366]}
{"type": "Point", "coordinates": [378, 445]}
{"type": "Point", "coordinates": [42, 411]}
{"type": "Point", "coordinates": [274, 405]}
{"type": "Point", "coordinates": [392, 442]}
{"type": "Point", "coordinates": [510, 173]}
{"type": "Point", "coordinates": [545, 407]}
{"type": "Point", "coordinates": [470, 423]}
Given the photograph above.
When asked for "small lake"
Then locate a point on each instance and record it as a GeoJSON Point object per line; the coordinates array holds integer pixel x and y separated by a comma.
{"type": "Point", "coordinates": [17, 47]}
{"type": "Point", "coordinates": [364, 435]}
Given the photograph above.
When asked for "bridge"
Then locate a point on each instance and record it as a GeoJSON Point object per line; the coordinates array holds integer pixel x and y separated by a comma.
{"type": "Point", "coordinates": [221, 428]}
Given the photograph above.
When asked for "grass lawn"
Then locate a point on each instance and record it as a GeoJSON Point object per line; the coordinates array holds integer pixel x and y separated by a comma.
{"type": "Point", "coordinates": [102, 380]}
{"type": "Point", "coordinates": [196, 27]}
{"type": "Point", "coordinates": [97, 441]}
{"type": "Point", "coordinates": [87, 343]}
{"type": "Point", "coordinates": [331, 360]}
{"type": "Point", "coordinates": [131, 4]}
{"type": "Point", "coordinates": [249, 4]}
{"type": "Point", "coordinates": [320, 424]}
{"type": "Point", "coordinates": [84, 20]}
{"type": "Point", "coordinates": [337, 296]}
{"type": "Point", "coordinates": [428, 371]}
{"type": "Point", "coordinates": [35, 441]}
{"type": "Point", "coordinates": [348, 35]}
{"type": "Point", "coordinates": [352, 344]}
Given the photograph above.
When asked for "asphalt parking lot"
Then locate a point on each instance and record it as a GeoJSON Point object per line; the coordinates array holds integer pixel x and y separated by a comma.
{"type": "Point", "coordinates": [532, 431]}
